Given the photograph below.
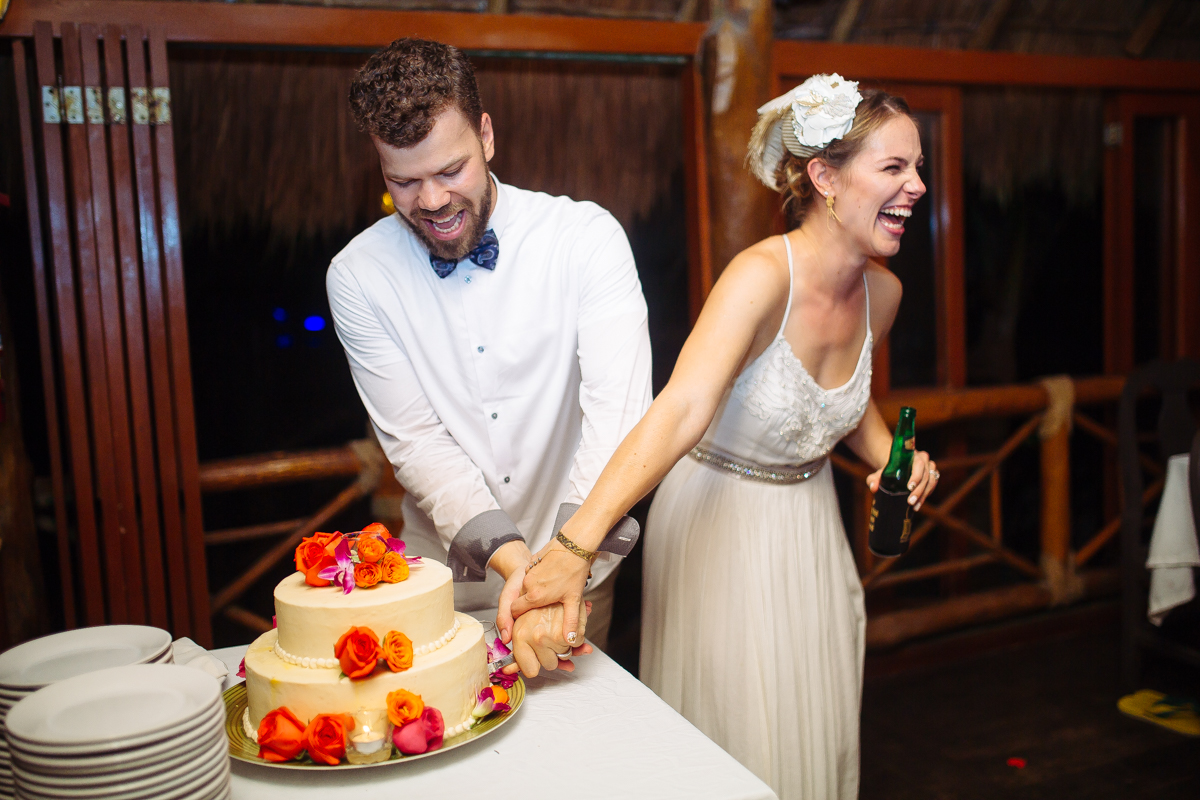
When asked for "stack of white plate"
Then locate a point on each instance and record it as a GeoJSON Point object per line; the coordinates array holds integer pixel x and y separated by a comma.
{"type": "Point", "coordinates": [28, 667]}
{"type": "Point", "coordinates": [127, 733]}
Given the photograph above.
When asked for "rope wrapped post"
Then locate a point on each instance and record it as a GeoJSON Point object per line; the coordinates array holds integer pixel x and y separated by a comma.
{"type": "Point", "coordinates": [1055, 434]}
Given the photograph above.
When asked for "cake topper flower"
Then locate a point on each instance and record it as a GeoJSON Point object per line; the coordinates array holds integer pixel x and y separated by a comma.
{"type": "Point", "coordinates": [395, 545]}
{"type": "Point", "coordinates": [342, 573]}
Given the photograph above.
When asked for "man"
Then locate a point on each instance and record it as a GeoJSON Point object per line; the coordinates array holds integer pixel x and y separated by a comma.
{"type": "Point", "coordinates": [498, 339]}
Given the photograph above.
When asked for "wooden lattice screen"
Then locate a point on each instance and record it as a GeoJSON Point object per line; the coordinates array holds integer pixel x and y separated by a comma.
{"type": "Point", "coordinates": [104, 223]}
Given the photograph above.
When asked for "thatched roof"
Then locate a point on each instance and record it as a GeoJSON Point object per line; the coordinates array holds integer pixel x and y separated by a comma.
{"type": "Point", "coordinates": [265, 139]}
{"type": "Point", "coordinates": [1061, 27]}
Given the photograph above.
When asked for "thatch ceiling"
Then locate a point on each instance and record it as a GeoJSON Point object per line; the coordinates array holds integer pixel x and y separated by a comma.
{"type": "Point", "coordinates": [1062, 27]}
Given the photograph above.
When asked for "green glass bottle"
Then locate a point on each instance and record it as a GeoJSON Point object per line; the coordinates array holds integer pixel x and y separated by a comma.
{"type": "Point", "coordinates": [891, 515]}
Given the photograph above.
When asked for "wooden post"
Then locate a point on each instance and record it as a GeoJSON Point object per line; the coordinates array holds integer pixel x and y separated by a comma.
{"type": "Point", "coordinates": [1055, 434]}
{"type": "Point", "coordinates": [739, 79]}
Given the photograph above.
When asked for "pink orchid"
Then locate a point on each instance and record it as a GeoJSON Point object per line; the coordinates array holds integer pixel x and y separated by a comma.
{"type": "Point", "coordinates": [343, 574]}
{"type": "Point", "coordinates": [395, 545]}
{"type": "Point", "coordinates": [487, 704]}
{"type": "Point", "coordinates": [503, 679]}
{"type": "Point", "coordinates": [497, 650]}
{"type": "Point", "coordinates": [241, 673]}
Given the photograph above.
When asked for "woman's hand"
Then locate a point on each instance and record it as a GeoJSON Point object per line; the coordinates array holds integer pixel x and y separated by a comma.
{"type": "Point", "coordinates": [922, 482]}
{"type": "Point", "coordinates": [556, 576]}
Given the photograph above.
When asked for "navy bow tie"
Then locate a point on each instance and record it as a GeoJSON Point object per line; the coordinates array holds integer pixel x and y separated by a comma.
{"type": "Point", "coordinates": [484, 255]}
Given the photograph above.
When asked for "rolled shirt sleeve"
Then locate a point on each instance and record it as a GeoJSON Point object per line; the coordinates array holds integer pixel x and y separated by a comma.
{"type": "Point", "coordinates": [443, 480]}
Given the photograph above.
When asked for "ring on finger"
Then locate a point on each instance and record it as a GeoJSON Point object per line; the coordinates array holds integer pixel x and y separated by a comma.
{"type": "Point", "coordinates": [564, 656]}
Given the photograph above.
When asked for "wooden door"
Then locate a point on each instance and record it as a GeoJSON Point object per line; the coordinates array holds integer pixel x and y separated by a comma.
{"type": "Point", "coordinates": [100, 183]}
{"type": "Point", "coordinates": [1151, 229]}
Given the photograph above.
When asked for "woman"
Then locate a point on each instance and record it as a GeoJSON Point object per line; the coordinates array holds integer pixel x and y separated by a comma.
{"type": "Point", "coordinates": [753, 618]}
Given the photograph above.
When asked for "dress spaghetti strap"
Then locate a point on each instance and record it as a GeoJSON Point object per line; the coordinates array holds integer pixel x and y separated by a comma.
{"type": "Point", "coordinates": [788, 310]}
{"type": "Point", "coordinates": [867, 289]}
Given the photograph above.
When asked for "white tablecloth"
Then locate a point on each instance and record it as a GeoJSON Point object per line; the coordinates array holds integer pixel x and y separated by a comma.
{"type": "Point", "coordinates": [595, 733]}
{"type": "Point", "coordinates": [1174, 551]}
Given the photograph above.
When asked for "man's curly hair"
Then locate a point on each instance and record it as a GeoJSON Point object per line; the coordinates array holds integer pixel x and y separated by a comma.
{"type": "Point", "coordinates": [403, 87]}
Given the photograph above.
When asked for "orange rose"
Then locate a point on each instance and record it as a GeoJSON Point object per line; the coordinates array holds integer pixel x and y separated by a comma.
{"type": "Point", "coordinates": [377, 529]}
{"type": "Point", "coordinates": [395, 568]}
{"type": "Point", "coordinates": [404, 706]}
{"type": "Point", "coordinates": [358, 652]}
{"type": "Point", "coordinates": [325, 737]}
{"type": "Point", "coordinates": [499, 694]}
{"type": "Point", "coordinates": [371, 549]}
{"type": "Point", "coordinates": [314, 554]}
{"type": "Point", "coordinates": [367, 575]}
{"type": "Point", "coordinates": [280, 735]}
{"type": "Point", "coordinates": [398, 651]}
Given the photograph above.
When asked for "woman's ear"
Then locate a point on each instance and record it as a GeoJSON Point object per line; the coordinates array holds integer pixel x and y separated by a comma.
{"type": "Point", "coordinates": [821, 175]}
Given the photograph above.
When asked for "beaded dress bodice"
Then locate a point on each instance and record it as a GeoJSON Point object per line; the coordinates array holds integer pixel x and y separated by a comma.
{"type": "Point", "coordinates": [776, 413]}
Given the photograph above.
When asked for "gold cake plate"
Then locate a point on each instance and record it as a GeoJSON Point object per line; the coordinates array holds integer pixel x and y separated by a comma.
{"type": "Point", "coordinates": [245, 749]}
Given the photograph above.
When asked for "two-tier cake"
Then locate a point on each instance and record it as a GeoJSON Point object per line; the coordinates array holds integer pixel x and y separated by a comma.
{"type": "Point", "coordinates": [439, 655]}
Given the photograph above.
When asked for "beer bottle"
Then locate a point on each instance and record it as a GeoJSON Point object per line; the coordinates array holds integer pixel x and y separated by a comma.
{"type": "Point", "coordinates": [891, 515]}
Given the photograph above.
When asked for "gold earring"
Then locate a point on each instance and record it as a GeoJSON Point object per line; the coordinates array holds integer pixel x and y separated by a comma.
{"type": "Point", "coordinates": [831, 214]}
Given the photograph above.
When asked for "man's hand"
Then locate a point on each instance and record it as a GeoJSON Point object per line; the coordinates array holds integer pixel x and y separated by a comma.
{"type": "Point", "coordinates": [509, 562]}
{"type": "Point", "coordinates": [537, 641]}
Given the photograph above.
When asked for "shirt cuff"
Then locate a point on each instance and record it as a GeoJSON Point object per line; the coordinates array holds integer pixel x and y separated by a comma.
{"type": "Point", "coordinates": [619, 541]}
{"type": "Point", "coordinates": [475, 542]}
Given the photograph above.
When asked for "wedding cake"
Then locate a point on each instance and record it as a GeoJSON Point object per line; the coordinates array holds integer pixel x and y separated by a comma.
{"type": "Point", "coordinates": [361, 627]}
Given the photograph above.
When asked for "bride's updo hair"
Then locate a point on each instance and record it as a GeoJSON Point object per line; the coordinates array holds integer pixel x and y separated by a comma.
{"type": "Point", "coordinates": [791, 175]}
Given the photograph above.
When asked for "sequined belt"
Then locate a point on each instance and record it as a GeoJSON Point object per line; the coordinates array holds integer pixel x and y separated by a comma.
{"type": "Point", "coordinates": [781, 474]}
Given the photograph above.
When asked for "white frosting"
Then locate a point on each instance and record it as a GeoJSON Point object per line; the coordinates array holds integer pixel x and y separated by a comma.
{"type": "Point", "coordinates": [448, 679]}
{"type": "Point", "coordinates": [330, 663]}
{"type": "Point", "coordinates": [311, 619]}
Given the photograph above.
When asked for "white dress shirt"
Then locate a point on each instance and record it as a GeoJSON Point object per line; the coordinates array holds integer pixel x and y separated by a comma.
{"type": "Point", "coordinates": [498, 396]}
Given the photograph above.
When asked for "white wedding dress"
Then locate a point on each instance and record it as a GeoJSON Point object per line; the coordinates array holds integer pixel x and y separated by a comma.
{"type": "Point", "coordinates": [753, 621]}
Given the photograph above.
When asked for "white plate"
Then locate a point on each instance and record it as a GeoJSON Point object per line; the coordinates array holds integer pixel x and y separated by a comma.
{"type": "Point", "coordinates": [64, 655]}
{"type": "Point", "coordinates": [124, 759]}
{"type": "Point", "coordinates": [67, 756]}
{"type": "Point", "coordinates": [111, 709]}
{"type": "Point", "coordinates": [120, 773]}
{"type": "Point", "coordinates": [202, 763]}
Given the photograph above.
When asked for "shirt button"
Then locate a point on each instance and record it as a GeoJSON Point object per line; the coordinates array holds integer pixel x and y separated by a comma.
{"type": "Point", "coordinates": [494, 415]}
{"type": "Point", "coordinates": [480, 348]}
{"type": "Point", "coordinates": [507, 479]}
{"type": "Point", "coordinates": [467, 279]}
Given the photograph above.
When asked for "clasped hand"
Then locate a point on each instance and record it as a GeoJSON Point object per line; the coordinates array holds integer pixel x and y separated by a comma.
{"type": "Point", "coordinates": [536, 632]}
{"type": "Point", "coordinates": [556, 576]}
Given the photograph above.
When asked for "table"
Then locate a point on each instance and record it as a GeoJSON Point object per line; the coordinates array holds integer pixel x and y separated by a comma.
{"type": "Point", "coordinates": [600, 715]}
{"type": "Point", "coordinates": [1174, 551]}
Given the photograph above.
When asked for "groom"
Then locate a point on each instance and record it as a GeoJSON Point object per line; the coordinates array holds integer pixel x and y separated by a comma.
{"type": "Point", "coordinates": [497, 337]}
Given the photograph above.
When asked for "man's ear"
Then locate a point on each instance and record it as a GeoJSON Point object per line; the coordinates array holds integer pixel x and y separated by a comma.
{"type": "Point", "coordinates": [487, 137]}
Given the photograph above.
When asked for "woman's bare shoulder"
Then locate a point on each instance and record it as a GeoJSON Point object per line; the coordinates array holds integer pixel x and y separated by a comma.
{"type": "Point", "coordinates": [762, 265]}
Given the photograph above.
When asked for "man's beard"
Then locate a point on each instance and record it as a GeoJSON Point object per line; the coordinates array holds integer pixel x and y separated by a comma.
{"type": "Point", "coordinates": [474, 226]}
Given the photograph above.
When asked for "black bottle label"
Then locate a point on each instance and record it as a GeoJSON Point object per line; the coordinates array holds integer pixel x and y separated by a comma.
{"type": "Point", "coordinates": [891, 523]}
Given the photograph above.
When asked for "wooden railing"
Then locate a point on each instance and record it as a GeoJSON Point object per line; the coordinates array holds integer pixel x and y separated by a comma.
{"type": "Point", "coordinates": [1049, 410]}
{"type": "Point", "coordinates": [362, 460]}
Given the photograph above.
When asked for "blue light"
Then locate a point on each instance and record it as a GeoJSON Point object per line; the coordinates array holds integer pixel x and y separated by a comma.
{"type": "Point", "coordinates": [283, 340]}
{"type": "Point", "coordinates": [279, 315]}
{"type": "Point", "coordinates": [314, 323]}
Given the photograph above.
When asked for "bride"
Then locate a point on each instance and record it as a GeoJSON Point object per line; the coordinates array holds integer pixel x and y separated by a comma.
{"type": "Point", "coordinates": [753, 619]}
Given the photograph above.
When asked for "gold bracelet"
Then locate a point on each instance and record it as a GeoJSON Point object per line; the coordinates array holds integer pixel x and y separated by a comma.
{"type": "Point", "coordinates": [586, 555]}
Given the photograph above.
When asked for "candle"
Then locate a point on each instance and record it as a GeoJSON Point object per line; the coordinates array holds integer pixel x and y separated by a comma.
{"type": "Point", "coordinates": [370, 741]}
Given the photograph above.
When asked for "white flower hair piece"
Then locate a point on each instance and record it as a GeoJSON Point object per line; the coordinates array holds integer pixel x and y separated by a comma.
{"type": "Point", "coordinates": [804, 121]}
